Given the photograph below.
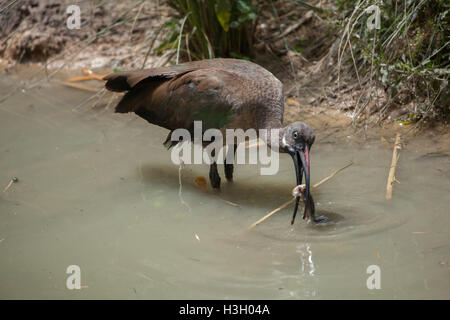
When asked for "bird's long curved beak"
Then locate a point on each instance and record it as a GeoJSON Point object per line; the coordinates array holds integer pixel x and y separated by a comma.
{"type": "Point", "coordinates": [300, 155]}
{"type": "Point", "coordinates": [304, 156]}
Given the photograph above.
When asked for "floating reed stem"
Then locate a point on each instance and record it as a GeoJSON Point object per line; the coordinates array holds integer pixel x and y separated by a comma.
{"type": "Point", "coordinates": [79, 86]}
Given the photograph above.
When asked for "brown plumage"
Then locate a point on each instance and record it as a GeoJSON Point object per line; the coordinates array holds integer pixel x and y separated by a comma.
{"type": "Point", "coordinates": [223, 94]}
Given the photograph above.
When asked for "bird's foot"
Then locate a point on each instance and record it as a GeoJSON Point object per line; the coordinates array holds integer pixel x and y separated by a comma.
{"type": "Point", "coordinates": [216, 185]}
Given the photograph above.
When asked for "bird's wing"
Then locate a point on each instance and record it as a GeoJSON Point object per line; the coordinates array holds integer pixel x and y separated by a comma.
{"type": "Point", "coordinates": [214, 96]}
{"type": "Point", "coordinates": [126, 80]}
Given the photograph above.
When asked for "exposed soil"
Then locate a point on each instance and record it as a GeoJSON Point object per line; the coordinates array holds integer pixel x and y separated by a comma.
{"type": "Point", "coordinates": [111, 34]}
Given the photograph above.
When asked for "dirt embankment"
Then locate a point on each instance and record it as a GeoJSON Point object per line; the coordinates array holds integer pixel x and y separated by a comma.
{"type": "Point", "coordinates": [111, 34]}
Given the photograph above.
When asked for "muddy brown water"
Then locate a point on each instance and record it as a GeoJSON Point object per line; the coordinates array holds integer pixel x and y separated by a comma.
{"type": "Point", "coordinates": [98, 190]}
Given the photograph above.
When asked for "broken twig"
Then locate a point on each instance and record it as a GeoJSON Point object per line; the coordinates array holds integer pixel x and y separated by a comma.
{"type": "Point", "coordinates": [79, 86]}
{"type": "Point", "coordinates": [391, 177]}
{"type": "Point", "coordinates": [8, 186]}
{"type": "Point", "coordinates": [201, 183]}
{"type": "Point", "coordinates": [227, 202]}
{"type": "Point", "coordinates": [88, 75]}
{"type": "Point", "coordinates": [13, 180]}
{"type": "Point", "coordinates": [293, 27]}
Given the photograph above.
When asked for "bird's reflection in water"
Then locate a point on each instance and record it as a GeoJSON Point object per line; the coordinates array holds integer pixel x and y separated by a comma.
{"type": "Point", "coordinates": [307, 269]}
{"type": "Point", "coordinates": [306, 259]}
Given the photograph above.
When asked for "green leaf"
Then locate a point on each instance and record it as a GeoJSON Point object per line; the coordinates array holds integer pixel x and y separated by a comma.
{"type": "Point", "coordinates": [244, 6]}
{"type": "Point", "coordinates": [299, 48]}
{"type": "Point", "coordinates": [234, 24]}
{"type": "Point", "coordinates": [223, 13]}
{"type": "Point", "coordinates": [239, 56]}
{"type": "Point", "coordinates": [252, 16]}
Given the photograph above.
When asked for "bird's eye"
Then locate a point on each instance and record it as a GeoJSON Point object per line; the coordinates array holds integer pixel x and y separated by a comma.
{"type": "Point", "coordinates": [295, 134]}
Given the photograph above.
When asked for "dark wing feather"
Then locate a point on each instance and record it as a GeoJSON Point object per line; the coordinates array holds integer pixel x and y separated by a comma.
{"type": "Point", "coordinates": [222, 93]}
{"type": "Point", "coordinates": [176, 103]}
{"type": "Point", "coordinates": [205, 95]}
{"type": "Point", "coordinates": [124, 81]}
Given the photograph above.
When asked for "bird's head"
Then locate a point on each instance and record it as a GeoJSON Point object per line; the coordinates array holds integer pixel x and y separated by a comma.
{"type": "Point", "coordinates": [297, 139]}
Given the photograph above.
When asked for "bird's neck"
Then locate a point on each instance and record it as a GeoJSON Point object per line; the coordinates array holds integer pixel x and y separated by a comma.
{"type": "Point", "coordinates": [273, 135]}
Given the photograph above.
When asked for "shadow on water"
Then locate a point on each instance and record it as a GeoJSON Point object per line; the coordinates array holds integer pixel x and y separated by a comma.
{"type": "Point", "coordinates": [362, 218]}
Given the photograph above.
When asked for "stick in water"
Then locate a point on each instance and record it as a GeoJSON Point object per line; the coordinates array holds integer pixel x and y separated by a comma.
{"type": "Point", "coordinates": [391, 178]}
{"type": "Point", "coordinates": [284, 205]}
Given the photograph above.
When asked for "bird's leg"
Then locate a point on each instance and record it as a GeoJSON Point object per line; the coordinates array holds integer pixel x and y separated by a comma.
{"type": "Point", "coordinates": [229, 171]}
{"type": "Point", "coordinates": [229, 167]}
{"type": "Point", "coordinates": [214, 177]}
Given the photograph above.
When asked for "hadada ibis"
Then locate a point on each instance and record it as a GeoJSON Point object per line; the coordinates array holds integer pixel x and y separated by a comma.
{"type": "Point", "coordinates": [223, 94]}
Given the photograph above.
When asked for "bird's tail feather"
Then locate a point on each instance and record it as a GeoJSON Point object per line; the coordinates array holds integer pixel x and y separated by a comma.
{"type": "Point", "coordinates": [129, 102]}
{"type": "Point", "coordinates": [117, 82]}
